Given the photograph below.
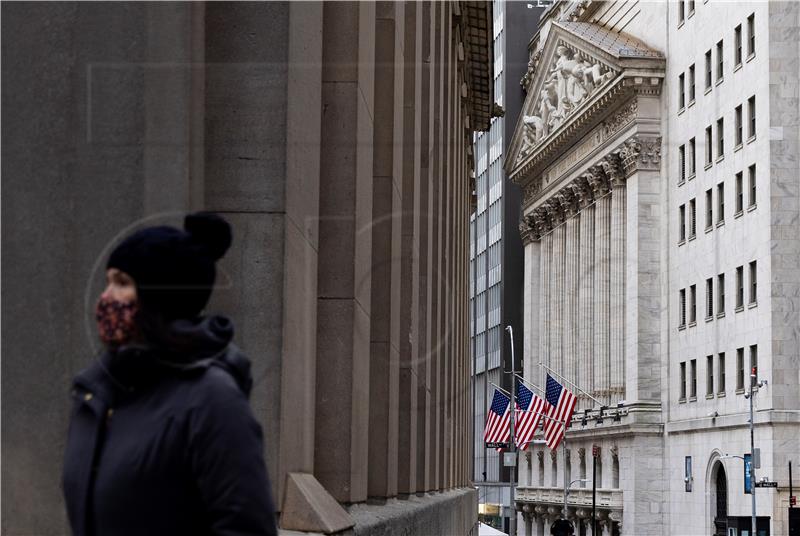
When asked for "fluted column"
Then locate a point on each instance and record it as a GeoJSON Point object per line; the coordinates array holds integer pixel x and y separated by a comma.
{"type": "Point", "coordinates": [555, 359]}
{"type": "Point", "coordinates": [585, 376]}
{"type": "Point", "coordinates": [613, 167]}
{"type": "Point", "coordinates": [545, 318]}
{"type": "Point", "coordinates": [571, 259]}
{"type": "Point", "coordinates": [602, 253]}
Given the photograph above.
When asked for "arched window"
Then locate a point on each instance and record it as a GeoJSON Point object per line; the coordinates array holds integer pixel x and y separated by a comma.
{"type": "Point", "coordinates": [719, 498]}
{"type": "Point", "coordinates": [615, 472]}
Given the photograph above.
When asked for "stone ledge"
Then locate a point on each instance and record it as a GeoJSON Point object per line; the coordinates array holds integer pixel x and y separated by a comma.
{"type": "Point", "coordinates": [451, 512]}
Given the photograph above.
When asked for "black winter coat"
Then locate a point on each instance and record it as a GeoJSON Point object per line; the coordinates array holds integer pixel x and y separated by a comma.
{"type": "Point", "coordinates": [166, 444]}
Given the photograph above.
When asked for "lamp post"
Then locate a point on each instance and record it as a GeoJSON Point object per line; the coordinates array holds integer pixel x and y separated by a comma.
{"type": "Point", "coordinates": [754, 387]}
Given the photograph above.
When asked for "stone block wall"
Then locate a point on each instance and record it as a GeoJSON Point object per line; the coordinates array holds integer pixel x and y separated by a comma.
{"type": "Point", "coordinates": [334, 137]}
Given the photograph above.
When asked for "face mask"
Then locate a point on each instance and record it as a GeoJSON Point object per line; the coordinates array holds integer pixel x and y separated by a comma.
{"type": "Point", "coordinates": [115, 321]}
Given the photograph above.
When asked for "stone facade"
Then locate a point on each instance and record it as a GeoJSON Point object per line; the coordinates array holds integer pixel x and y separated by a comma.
{"type": "Point", "coordinates": [336, 138]}
{"type": "Point", "coordinates": [624, 298]}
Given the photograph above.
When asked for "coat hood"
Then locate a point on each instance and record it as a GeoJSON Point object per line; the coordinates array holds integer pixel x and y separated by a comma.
{"type": "Point", "coordinates": [190, 347]}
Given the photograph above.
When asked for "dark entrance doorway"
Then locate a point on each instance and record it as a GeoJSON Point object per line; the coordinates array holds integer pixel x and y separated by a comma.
{"type": "Point", "coordinates": [720, 501]}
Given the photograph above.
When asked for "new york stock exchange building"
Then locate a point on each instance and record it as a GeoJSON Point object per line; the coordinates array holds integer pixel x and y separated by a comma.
{"type": "Point", "coordinates": [657, 153]}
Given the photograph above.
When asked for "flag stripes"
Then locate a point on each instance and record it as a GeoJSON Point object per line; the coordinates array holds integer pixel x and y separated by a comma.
{"type": "Point", "coordinates": [562, 404]}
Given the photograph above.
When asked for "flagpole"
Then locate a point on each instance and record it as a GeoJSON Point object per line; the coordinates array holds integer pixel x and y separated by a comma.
{"type": "Point", "coordinates": [513, 524]}
{"type": "Point", "coordinates": [569, 382]}
{"type": "Point", "coordinates": [499, 388]}
{"type": "Point", "coordinates": [523, 380]}
{"type": "Point", "coordinates": [566, 476]}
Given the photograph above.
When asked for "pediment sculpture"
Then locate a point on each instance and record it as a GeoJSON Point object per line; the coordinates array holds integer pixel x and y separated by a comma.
{"type": "Point", "coordinates": [572, 78]}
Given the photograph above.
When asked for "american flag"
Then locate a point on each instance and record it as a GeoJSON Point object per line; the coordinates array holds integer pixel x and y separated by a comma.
{"type": "Point", "coordinates": [529, 413]}
{"type": "Point", "coordinates": [562, 403]}
{"type": "Point", "coordinates": [497, 422]}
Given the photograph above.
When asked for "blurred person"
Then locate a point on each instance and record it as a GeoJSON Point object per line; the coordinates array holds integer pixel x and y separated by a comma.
{"type": "Point", "coordinates": [162, 440]}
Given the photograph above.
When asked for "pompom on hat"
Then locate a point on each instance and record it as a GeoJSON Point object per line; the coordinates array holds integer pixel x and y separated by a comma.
{"type": "Point", "coordinates": [174, 270]}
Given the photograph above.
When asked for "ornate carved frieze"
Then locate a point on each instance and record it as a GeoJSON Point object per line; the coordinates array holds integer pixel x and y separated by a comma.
{"type": "Point", "coordinates": [624, 116]}
{"type": "Point", "coordinates": [598, 181]}
{"type": "Point", "coordinates": [582, 190]}
{"type": "Point", "coordinates": [528, 231]}
{"type": "Point", "coordinates": [573, 77]}
{"type": "Point", "coordinates": [569, 203]}
{"type": "Point", "coordinates": [533, 65]}
{"type": "Point", "coordinates": [612, 166]}
{"type": "Point", "coordinates": [608, 129]}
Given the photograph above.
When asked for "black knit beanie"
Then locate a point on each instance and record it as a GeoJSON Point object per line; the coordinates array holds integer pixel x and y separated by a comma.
{"type": "Point", "coordinates": [173, 269]}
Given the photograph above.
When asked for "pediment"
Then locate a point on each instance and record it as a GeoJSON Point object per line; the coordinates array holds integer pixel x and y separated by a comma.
{"type": "Point", "coordinates": [581, 65]}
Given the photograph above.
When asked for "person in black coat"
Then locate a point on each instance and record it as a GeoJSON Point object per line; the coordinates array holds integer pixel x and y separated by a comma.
{"type": "Point", "coordinates": [162, 440]}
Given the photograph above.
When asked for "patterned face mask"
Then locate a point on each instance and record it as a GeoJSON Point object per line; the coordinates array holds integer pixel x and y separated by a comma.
{"type": "Point", "coordinates": [115, 321]}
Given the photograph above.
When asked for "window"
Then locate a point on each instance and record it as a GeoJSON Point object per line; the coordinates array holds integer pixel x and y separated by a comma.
{"type": "Point", "coordinates": [740, 369]}
{"type": "Point", "coordinates": [692, 219]}
{"type": "Point", "coordinates": [709, 148]}
{"type": "Point", "coordinates": [682, 164]}
{"type": "Point", "coordinates": [720, 203]}
{"type": "Point", "coordinates": [737, 45]}
{"type": "Point", "coordinates": [691, 83]}
{"type": "Point", "coordinates": [751, 35]}
{"type": "Point", "coordinates": [683, 381]}
{"type": "Point", "coordinates": [753, 283]}
{"type": "Point", "coordinates": [721, 294]}
{"type": "Point", "coordinates": [739, 287]}
{"type": "Point", "coordinates": [692, 161]}
{"type": "Point", "coordinates": [709, 211]}
{"type": "Point", "coordinates": [751, 116]}
{"type": "Point", "coordinates": [541, 471]}
{"type": "Point", "coordinates": [751, 174]}
{"type": "Point", "coordinates": [691, 7]}
{"type": "Point", "coordinates": [720, 137]}
{"type": "Point", "coordinates": [692, 304]}
{"type": "Point", "coordinates": [739, 193]}
{"type": "Point", "coordinates": [738, 126]}
{"type": "Point", "coordinates": [554, 473]}
{"type": "Point", "coordinates": [709, 297]}
{"type": "Point", "coordinates": [693, 384]}
{"type": "Point", "coordinates": [682, 308]}
{"type": "Point", "coordinates": [681, 92]}
{"type": "Point", "coordinates": [708, 70]}
{"type": "Point", "coordinates": [682, 223]}
{"type": "Point", "coordinates": [710, 375]}
{"type": "Point", "coordinates": [681, 12]}
{"type": "Point", "coordinates": [719, 61]}
{"type": "Point", "coordinates": [754, 364]}
{"type": "Point", "coordinates": [721, 373]}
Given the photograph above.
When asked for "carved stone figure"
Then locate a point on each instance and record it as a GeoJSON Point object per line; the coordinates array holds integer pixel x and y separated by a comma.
{"type": "Point", "coordinates": [571, 79]}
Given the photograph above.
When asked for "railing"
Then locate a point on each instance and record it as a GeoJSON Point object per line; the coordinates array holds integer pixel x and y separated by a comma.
{"type": "Point", "coordinates": [606, 498]}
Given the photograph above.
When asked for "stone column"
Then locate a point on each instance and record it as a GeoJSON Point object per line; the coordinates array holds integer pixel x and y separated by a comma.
{"type": "Point", "coordinates": [571, 259]}
{"type": "Point", "coordinates": [345, 242]}
{"type": "Point", "coordinates": [555, 359]}
{"type": "Point", "coordinates": [545, 316]}
{"type": "Point", "coordinates": [530, 231]}
{"type": "Point", "coordinates": [585, 374]}
{"type": "Point", "coordinates": [602, 252]}
{"type": "Point", "coordinates": [613, 168]}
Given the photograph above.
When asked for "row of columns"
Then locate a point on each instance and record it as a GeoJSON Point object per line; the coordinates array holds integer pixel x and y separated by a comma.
{"type": "Point", "coordinates": [538, 523]}
{"type": "Point", "coordinates": [579, 233]}
{"type": "Point", "coordinates": [393, 406]}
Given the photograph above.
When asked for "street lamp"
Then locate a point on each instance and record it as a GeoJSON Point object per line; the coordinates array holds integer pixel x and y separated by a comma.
{"type": "Point", "coordinates": [754, 387]}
